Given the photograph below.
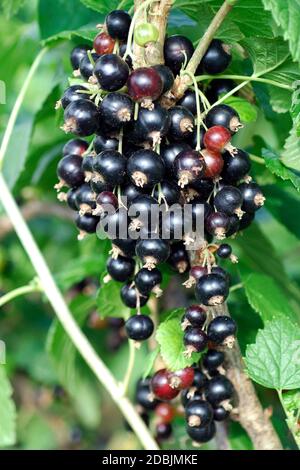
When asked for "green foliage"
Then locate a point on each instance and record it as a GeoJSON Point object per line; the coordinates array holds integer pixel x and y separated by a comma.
{"type": "Point", "coordinates": [246, 110]}
{"type": "Point", "coordinates": [291, 403]}
{"type": "Point", "coordinates": [11, 7]}
{"type": "Point", "coordinates": [273, 361]}
{"type": "Point", "coordinates": [109, 301]}
{"type": "Point", "coordinates": [7, 412]}
{"type": "Point", "coordinates": [275, 165]}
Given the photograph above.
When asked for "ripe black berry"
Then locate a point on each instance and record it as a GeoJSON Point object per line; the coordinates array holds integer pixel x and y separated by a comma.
{"type": "Point", "coordinates": [85, 199]}
{"type": "Point", "coordinates": [213, 359]}
{"type": "Point", "coordinates": [144, 396]}
{"type": "Point", "coordinates": [120, 269]}
{"type": "Point", "coordinates": [229, 200]}
{"type": "Point", "coordinates": [224, 250]}
{"type": "Point", "coordinates": [178, 258]}
{"type": "Point", "coordinates": [223, 115]}
{"type": "Point", "coordinates": [73, 94]}
{"type": "Point", "coordinates": [218, 389]}
{"type": "Point", "coordinates": [117, 24]}
{"type": "Point", "coordinates": [145, 85]}
{"type": "Point", "coordinates": [152, 252]}
{"type": "Point", "coordinates": [168, 192]}
{"type": "Point", "coordinates": [139, 327]}
{"type": "Point", "coordinates": [177, 51]}
{"type": "Point", "coordinates": [252, 195]}
{"type": "Point", "coordinates": [102, 142]}
{"type": "Point", "coordinates": [131, 297]}
{"type": "Point", "coordinates": [195, 340]}
{"type": "Point", "coordinates": [124, 246]}
{"type": "Point", "coordinates": [194, 316]}
{"type": "Point", "coordinates": [189, 101]}
{"type": "Point", "coordinates": [131, 192]}
{"type": "Point", "coordinates": [115, 110]}
{"type": "Point", "coordinates": [181, 123]}
{"type": "Point", "coordinates": [77, 54]}
{"type": "Point", "coordinates": [198, 413]}
{"type": "Point", "coordinates": [109, 167]}
{"type": "Point", "coordinates": [163, 431]}
{"type": "Point", "coordinates": [217, 87]}
{"type": "Point", "coordinates": [188, 166]}
{"type": "Point", "coordinates": [217, 224]}
{"type": "Point", "coordinates": [69, 171]}
{"type": "Point", "coordinates": [246, 220]}
{"type": "Point", "coordinates": [87, 224]}
{"type": "Point", "coordinates": [217, 58]}
{"type": "Point", "coordinates": [148, 281]}
{"type": "Point", "coordinates": [86, 67]}
{"type": "Point", "coordinates": [212, 289]}
{"type": "Point", "coordinates": [150, 126]}
{"type": "Point", "coordinates": [220, 414]}
{"type": "Point", "coordinates": [111, 72]}
{"type": "Point", "coordinates": [222, 330]}
{"type": "Point", "coordinates": [235, 166]}
{"type": "Point", "coordinates": [202, 434]}
{"type": "Point", "coordinates": [75, 147]}
{"type": "Point", "coordinates": [169, 153]}
{"type": "Point", "coordinates": [200, 379]}
{"type": "Point", "coordinates": [166, 76]}
{"type": "Point", "coordinates": [145, 168]}
{"type": "Point", "coordinates": [81, 118]}
{"type": "Point", "coordinates": [190, 394]}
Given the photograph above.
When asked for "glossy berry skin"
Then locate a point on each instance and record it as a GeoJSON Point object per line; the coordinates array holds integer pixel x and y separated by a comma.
{"type": "Point", "coordinates": [178, 258]}
{"type": "Point", "coordinates": [213, 163]}
{"type": "Point", "coordinates": [120, 269]}
{"type": "Point", "coordinates": [101, 142]}
{"type": "Point", "coordinates": [213, 359]}
{"type": "Point", "coordinates": [140, 208]}
{"type": "Point", "coordinates": [228, 200]}
{"type": "Point", "coordinates": [145, 168]}
{"type": "Point", "coordinates": [77, 54]}
{"type": "Point", "coordinates": [195, 315]}
{"type": "Point", "coordinates": [252, 196]}
{"type": "Point", "coordinates": [152, 251]}
{"type": "Point", "coordinates": [220, 414]}
{"type": "Point", "coordinates": [217, 87]}
{"type": "Point", "coordinates": [165, 412]}
{"type": "Point", "coordinates": [246, 220]}
{"type": "Point", "coordinates": [212, 289]}
{"type": "Point", "coordinates": [198, 271]}
{"type": "Point", "coordinates": [117, 24]}
{"type": "Point", "coordinates": [217, 58]}
{"type": "Point", "coordinates": [87, 223]}
{"type": "Point", "coordinates": [190, 395]}
{"type": "Point", "coordinates": [81, 118]}
{"type": "Point", "coordinates": [217, 224]}
{"type": "Point", "coordinates": [86, 67]}
{"type": "Point", "coordinates": [218, 389]}
{"type": "Point", "coordinates": [202, 434]}
{"type": "Point", "coordinates": [98, 186]}
{"type": "Point", "coordinates": [111, 72]}
{"type": "Point", "coordinates": [73, 94]}
{"type": "Point", "coordinates": [129, 297]}
{"type": "Point", "coordinates": [233, 224]}
{"type": "Point", "coordinates": [130, 192]}
{"type": "Point", "coordinates": [87, 167]}
{"type": "Point", "coordinates": [170, 193]}
{"type": "Point", "coordinates": [85, 199]}
{"type": "Point", "coordinates": [189, 101]}
{"type": "Point", "coordinates": [203, 186]}
{"type": "Point", "coordinates": [144, 33]}
{"type": "Point", "coordinates": [110, 166]}
{"type": "Point", "coordinates": [166, 76]}
{"type": "Point", "coordinates": [144, 83]}
{"type": "Point", "coordinates": [126, 245]}
{"type": "Point", "coordinates": [69, 170]}
{"type": "Point", "coordinates": [235, 167]}
{"type": "Point", "coordinates": [161, 387]}
{"type": "Point", "coordinates": [182, 379]}
{"type": "Point", "coordinates": [221, 272]}
{"type": "Point", "coordinates": [163, 431]}
{"type": "Point", "coordinates": [200, 379]}
{"type": "Point", "coordinates": [220, 329]}
{"type": "Point", "coordinates": [71, 198]}
{"type": "Point", "coordinates": [146, 280]}
{"type": "Point", "coordinates": [195, 339]}
{"type": "Point", "coordinates": [169, 153]}
{"type": "Point", "coordinates": [177, 49]}
{"type": "Point", "coordinates": [144, 396]}
{"type": "Point", "coordinates": [150, 126]}
{"type": "Point", "coordinates": [75, 147]}
{"type": "Point", "coordinates": [139, 327]}
{"type": "Point", "coordinates": [181, 123]}
{"type": "Point", "coordinates": [116, 109]}
{"type": "Point", "coordinates": [224, 251]}
{"type": "Point", "coordinates": [189, 166]}
{"type": "Point", "coordinates": [223, 115]}
{"type": "Point", "coordinates": [216, 138]}
{"type": "Point", "coordinates": [103, 44]}
{"type": "Point", "coordinates": [198, 413]}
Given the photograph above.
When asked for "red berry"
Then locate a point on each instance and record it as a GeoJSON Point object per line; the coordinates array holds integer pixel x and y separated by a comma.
{"type": "Point", "coordinates": [161, 386]}
{"type": "Point", "coordinates": [165, 412]}
{"type": "Point", "coordinates": [104, 44]}
{"type": "Point", "coordinates": [144, 83]}
{"type": "Point", "coordinates": [182, 378]}
{"type": "Point", "coordinates": [214, 163]}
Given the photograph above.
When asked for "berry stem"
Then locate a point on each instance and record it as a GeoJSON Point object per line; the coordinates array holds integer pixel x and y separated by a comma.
{"type": "Point", "coordinates": [257, 159]}
{"type": "Point", "coordinates": [65, 317]}
{"type": "Point", "coordinates": [130, 367]}
{"type": "Point", "coordinates": [33, 286]}
{"type": "Point", "coordinates": [251, 78]}
{"type": "Point", "coordinates": [230, 93]}
{"type": "Point", "coordinates": [199, 119]}
{"type": "Point", "coordinates": [236, 287]}
{"type": "Point", "coordinates": [292, 422]}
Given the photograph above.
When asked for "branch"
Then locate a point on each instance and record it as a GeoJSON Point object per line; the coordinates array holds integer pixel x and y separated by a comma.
{"type": "Point", "coordinates": [65, 317]}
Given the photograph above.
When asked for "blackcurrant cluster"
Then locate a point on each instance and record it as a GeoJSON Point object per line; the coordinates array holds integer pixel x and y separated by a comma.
{"type": "Point", "coordinates": [147, 151]}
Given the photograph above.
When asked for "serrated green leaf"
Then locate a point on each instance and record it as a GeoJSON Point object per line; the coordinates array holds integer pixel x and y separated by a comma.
{"type": "Point", "coordinates": [106, 6]}
{"type": "Point", "coordinates": [246, 110]}
{"type": "Point", "coordinates": [266, 54]}
{"type": "Point", "coordinates": [7, 411]}
{"type": "Point", "coordinates": [109, 301]}
{"type": "Point", "coordinates": [275, 165]}
{"type": "Point", "coordinates": [266, 297]}
{"type": "Point", "coordinates": [88, 34]}
{"type": "Point", "coordinates": [169, 336]}
{"type": "Point", "coordinates": [295, 108]}
{"type": "Point", "coordinates": [291, 152]}
{"type": "Point", "coordinates": [291, 403]}
{"type": "Point", "coordinates": [273, 361]}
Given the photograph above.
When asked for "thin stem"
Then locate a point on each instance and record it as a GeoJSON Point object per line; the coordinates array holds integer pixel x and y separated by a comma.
{"type": "Point", "coordinates": [296, 438]}
{"type": "Point", "coordinates": [199, 120]}
{"type": "Point", "coordinates": [236, 287]}
{"type": "Point", "coordinates": [230, 93]}
{"type": "Point", "coordinates": [251, 78]}
{"type": "Point", "coordinates": [257, 159]}
{"type": "Point", "coordinates": [140, 8]}
{"type": "Point", "coordinates": [65, 317]}
{"type": "Point", "coordinates": [32, 287]}
{"type": "Point", "coordinates": [130, 367]}
{"type": "Point", "coordinates": [18, 104]}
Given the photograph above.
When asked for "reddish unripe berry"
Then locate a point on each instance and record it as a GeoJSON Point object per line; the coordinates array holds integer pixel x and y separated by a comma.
{"type": "Point", "coordinates": [144, 83]}
{"type": "Point", "coordinates": [104, 44]}
{"type": "Point", "coordinates": [182, 378]}
{"type": "Point", "coordinates": [197, 271]}
{"type": "Point", "coordinates": [161, 386]}
{"type": "Point", "coordinates": [214, 163]}
{"type": "Point", "coordinates": [217, 138]}
{"type": "Point", "coordinates": [165, 412]}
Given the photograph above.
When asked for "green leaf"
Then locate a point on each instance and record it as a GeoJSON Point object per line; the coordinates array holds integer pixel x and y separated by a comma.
{"type": "Point", "coordinates": [7, 411]}
{"type": "Point", "coordinates": [150, 362]}
{"type": "Point", "coordinates": [265, 54]}
{"type": "Point", "coordinates": [79, 269]}
{"type": "Point", "coordinates": [275, 165]}
{"type": "Point", "coordinates": [273, 361]}
{"type": "Point", "coordinates": [291, 403]}
{"type": "Point", "coordinates": [266, 297]}
{"type": "Point", "coordinates": [105, 6]}
{"type": "Point", "coordinates": [169, 336]}
{"type": "Point", "coordinates": [286, 14]}
{"type": "Point", "coordinates": [291, 152]}
{"type": "Point", "coordinates": [295, 108]}
{"type": "Point", "coordinates": [88, 34]}
{"type": "Point", "coordinates": [11, 7]}
{"type": "Point", "coordinates": [246, 110]}
{"type": "Point", "coordinates": [109, 301]}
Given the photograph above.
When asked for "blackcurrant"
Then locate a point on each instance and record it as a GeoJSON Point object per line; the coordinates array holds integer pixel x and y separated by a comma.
{"type": "Point", "coordinates": [224, 250]}
{"type": "Point", "coordinates": [145, 168]}
{"type": "Point", "coordinates": [218, 389]}
{"type": "Point", "coordinates": [69, 171]}
{"type": "Point", "coordinates": [169, 153]}
{"type": "Point", "coordinates": [120, 269]}
{"type": "Point", "coordinates": [98, 186]}
{"type": "Point", "coordinates": [150, 126]}
{"type": "Point", "coordinates": [194, 315]}
{"type": "Point", "coordinates": [217, 57]}
{"type": "Point", "coordinates": [213, 359]}
{"type": "Point", "coordinates": [86, 67]}
{"type": "Point", "coordinates": [103, 44]}
{"type": "Point", "coordinates": [124, 246]}
{"type": "Point", "coordinates": [167, 192]}
{"type": "Point", "coordinates": [144, 396]}
{"type": "Point", "coordinates": [152, 251]}
{"type": "Point", "coordinates": [220, 414]}
{"type": "Point", "coordinates": [85, 199]}
{"type": "Point", "coordinates": [73, 93]}
{"type": "Point", "coordinates": [161, 387]}
{"type": "Point", "coordinates": [109, 167]}
{"type": "Point", "coordinates": [69, 197]}
{"type": "Point", "coordinates": [111, 72]}
{"type": "Point", "coordinates": [235, 166]}
{"type": "Point", "coordinates": [116, 109]}
{"type": "Point", "coordinates": [75, 147]}
{"type": "Point", "coordinates": [131, 298]}
{"type": "Point", "coordinates": [189, 165]}
{"type": "Point", "coordinates": [212, 289]}
{"type": "Point", "coordinates": [145, 84]}
{"type": "Point", "coordinates": [102, 142]}
{"type": "Point", "coordinates": [246, 220]}
{"type": "Point", "coordinates": [178, 258]}
{"type": "Point", "coordinates": [234, 224]}
{"type": "Point", "coordinates": [223, 115]}
{"type": "Point", "coordinates": [139, 327]}
{"type": "Point", "coordinates": [117, 24]}
{"type": "Point", "coordinates": [213, 163]}
{"type": "Point", "coordinates": [217, 87]}
{"type": "Point", "coordinates": [222, 330]}
{"type": "Point", "coordinates": [217, 224]}
{"type": "Point", "coordinates": [87, 167]}
{"type": "Point", "coordinates": [189, 101]}
{"type": "Point", "coordinates": [221, 272]}
{"type": "Point", "coordinates": [192, 138]}
{"type": "Point", "coordinates": [148, 281]}
{"type": "Point", "coordinates": [252, 196]}
{"type": "Point", "coordinates": [166, 76]}
{"type": "Point", "coordinates": [177, 51]}
{"type": "Point", "coordinates": [130, 192]}
{"type": "Point", "coordinates": [77, 54]}
{"type": "Point", "coordinates": [195, 340]}
{"type": "Point", "coordinates": [229, 200]}
{"type": "Point", "coordinates": [202, 434]}
{"type": "Point", "coordinates": [203, 187]}
{"type": "Point", "coordinates": [81, 118]}
{"type": "Point", "coordinates": [198, 413]}
{"type": "Point", "coordinates": [163, 431]}
{"type": "Point", "coordinates": [200, 379]}
{"type": "Point", "coordinates": [87, 224]}
{"type": "Point", "coordinates": [190, 394]}
{"type": "Point", "coordinates": [181, 123]}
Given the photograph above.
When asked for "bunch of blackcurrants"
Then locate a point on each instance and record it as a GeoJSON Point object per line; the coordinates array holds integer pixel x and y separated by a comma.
{"type": "Point", "coordinates": [149, 150]}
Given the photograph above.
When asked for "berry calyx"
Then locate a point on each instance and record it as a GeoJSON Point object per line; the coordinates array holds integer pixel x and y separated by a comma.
{"type": "Point", "coordinates": [182, 123]}
{"type": "Point", "coordinates": [148, 281]}
{"type": "Point", "coordinates": [212, 289]}
{"type": "Point", "coordinates": [222, 330]}
{"type": "Point", "coordinates": [252, 197]}
{"type": "Point", "coordinates": [81, 118]}
{"type": "Point", "coordinates": [217, 139]}
{"type": "Point", "coordinates": [182, 378]}
{"type": "Point", "coordinates": [229, 201]}
{"type": "Point", "coordinates": [194, 316]}
{"type": "Point", "coordinates": [195, 340]}
{"type": "Point", "coordinates": [145, 168]}
{"type": "Point", "coordinates": [198, 413]}
{"type": "Point", "coordinates": [152, 252]}
{"type": "Point", "coordinates": [189, 166]}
